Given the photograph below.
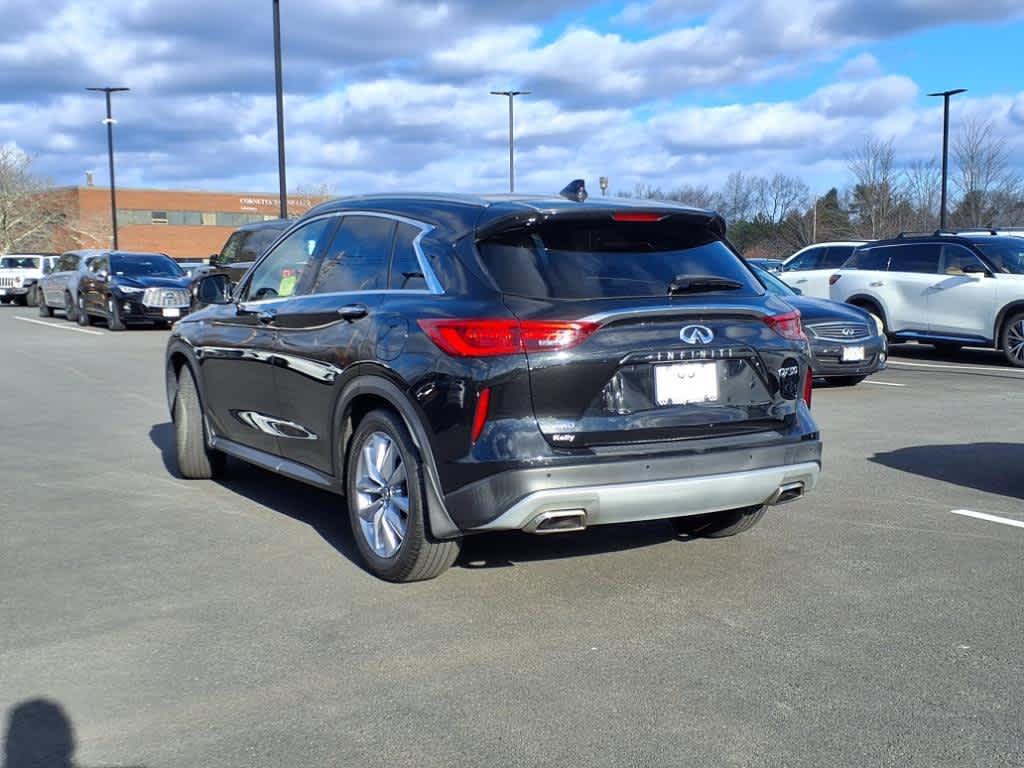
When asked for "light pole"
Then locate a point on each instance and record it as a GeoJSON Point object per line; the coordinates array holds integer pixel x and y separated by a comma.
{"type": "Point", "coordinates": [279, 84]}
{"type": "Point", "coordinates": [945, 148]}
{"type": "Point", "coordinates": [511, 141]}
{"type": "Point", "coordinates": [110, 157]}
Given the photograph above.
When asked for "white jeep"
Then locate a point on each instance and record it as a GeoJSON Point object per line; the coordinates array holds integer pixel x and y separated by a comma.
{"type": "Point", "coordinates": [20, 274]}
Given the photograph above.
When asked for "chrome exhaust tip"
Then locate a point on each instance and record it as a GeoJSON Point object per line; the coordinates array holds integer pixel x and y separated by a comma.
{"type": "Point", "coordinates": [558, 521]}
{"type": "Point", "coordinates": [788, 492]}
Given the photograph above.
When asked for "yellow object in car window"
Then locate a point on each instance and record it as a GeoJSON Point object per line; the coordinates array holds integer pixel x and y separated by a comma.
{"type": "Point", "coordinates": [288, 280]}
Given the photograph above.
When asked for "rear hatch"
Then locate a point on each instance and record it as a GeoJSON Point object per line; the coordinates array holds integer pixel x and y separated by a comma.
{"type": "Point", "coordinates": [644, 327]}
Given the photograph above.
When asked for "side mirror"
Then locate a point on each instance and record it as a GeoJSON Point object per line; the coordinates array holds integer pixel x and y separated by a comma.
{"type": "Point", "coordinates": [798, 291]}
{"type": "Point", "coordinates": [214, 259]}
{"type": "Point", "coordinates": [212, 289]}
{"type": "Point", "coordinates": [103, 275]}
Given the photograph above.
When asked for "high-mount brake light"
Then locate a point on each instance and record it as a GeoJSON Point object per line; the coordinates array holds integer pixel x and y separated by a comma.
{"type": "Point", "coordinates": [493, 337]}
{"type": "Point", "coordinates": [787, 325]}
{"type": "Point", "coordinates": [636, 216]}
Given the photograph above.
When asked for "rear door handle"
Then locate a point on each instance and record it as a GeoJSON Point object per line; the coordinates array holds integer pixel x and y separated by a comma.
{"type": "Point", "coordinates": [353, 311]}
{"type": "Point", "coordinates": [802, 281]}
{"type": "Point", "coordinates": [876, 284]}
{"type": "Point", "coordinates": [266, 316]}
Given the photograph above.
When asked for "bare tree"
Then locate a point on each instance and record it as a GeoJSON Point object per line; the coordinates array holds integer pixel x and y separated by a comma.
{"type": "Point", "coordinates": [876, 192]}
{"type": "Point", "coordinates": [737, 197]}
{"type": "Point", "coordinates": [777, 197]}
{"type": "Point", "coordinates": [922, 185]}
{"type": "Point", "coordinates": [27, 216]}
{"type": "Point", "coordinates": [983, 174]}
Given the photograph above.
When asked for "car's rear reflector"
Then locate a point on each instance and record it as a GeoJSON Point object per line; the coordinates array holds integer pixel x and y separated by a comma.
{"type": "Point", "coordinates": [833, 279]}
{"type": "Point", "coordinates": [483, 404]}
{"type": "Point", "coordinates": [492, 337]}
{"type": "Point", "coordinates": [637, 216]}
{"type": "Point", "coordinates": [787, 325]}
{"type": "Point", "coordinates": [808, 387]}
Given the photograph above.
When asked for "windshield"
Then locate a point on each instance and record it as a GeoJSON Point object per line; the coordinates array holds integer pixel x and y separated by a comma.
{"type": "Point", "coordinates": [19, 262]}
{"type": "Point", "coordinates": [1006, 254]}
{"type": "Point", "coordinates": [772, 283]}
{"type": "Point", "coordinates": [595, 259]}
{"type": "Point", "coordinates": [144, 265]}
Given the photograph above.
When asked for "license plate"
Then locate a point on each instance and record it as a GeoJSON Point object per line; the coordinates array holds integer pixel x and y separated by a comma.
{"type": "Point", "coordinates": [686, 383]}
{"type": "Point", "coordinates": [853, 354]}
{"type": "Point", "coordinates": [172, 312]}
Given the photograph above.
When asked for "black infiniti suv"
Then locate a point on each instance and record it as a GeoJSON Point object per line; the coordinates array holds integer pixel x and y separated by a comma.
{"type": "Point", "coordinates": [458, 364]}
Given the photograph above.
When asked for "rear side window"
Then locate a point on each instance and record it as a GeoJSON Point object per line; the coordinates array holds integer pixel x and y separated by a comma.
{"type": "Point", "coordinates": [406, 273]}
{"type": "Point", "coordinates": [588, 259]}
{"type": "Point", "coordinates": [837, 256]}
{"type": "Point", "coordinates": [917, 257]}
{"type": "Point", "coordinates": [869, 258]}
{"type": "Point", "coordinates": [358, 258]}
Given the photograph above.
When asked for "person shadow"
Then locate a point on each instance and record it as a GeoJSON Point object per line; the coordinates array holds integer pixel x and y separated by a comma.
{"type": "Point", "coordinates": [40, 735]}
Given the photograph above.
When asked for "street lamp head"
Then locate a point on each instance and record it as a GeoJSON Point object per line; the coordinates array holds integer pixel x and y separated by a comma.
{"type": "Point", "coordinates": [510, 93]}
{"type": "Point", "coordinates": [953, 92]}
{"type": "Point", "coordinates": [108, 89]}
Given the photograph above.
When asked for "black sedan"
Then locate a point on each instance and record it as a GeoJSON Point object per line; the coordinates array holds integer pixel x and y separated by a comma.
{"type": "Point", "coordinates": [847, 343]}
{"type": "Point", "coordinates": [125, 288]}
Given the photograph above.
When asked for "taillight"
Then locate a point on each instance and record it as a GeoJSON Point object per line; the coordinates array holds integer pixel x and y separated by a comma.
{"type": "Point", "coordinates": [637, 216]}
{"type": "Point", "coordinates": [483, 404]}
{"type": "Point", "coordinates": [489, 338]}
{"type": "Point", "coordinates": [787, 325]}
{"type": "Point", "coordinates": [808, 387]}
{"type": "Point", "coordinates": [833, 279]}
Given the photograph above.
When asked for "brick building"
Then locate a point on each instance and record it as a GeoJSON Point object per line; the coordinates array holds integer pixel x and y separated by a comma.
{"type": "Point", "coordinates": [188, 225]}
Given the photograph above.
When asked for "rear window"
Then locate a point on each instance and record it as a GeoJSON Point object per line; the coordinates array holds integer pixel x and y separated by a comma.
{"type": "Point", "coordinates": [574, 259]}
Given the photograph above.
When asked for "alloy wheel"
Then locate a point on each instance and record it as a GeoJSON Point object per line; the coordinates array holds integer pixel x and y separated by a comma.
{"type": "Point", "coordinates": [382, 498]}
{"type": "Point", "coordinates": [1015, 341]}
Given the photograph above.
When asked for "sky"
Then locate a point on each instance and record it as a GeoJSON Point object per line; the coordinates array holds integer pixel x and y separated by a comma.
{"type": "Point", "coordinates": [394, 94]}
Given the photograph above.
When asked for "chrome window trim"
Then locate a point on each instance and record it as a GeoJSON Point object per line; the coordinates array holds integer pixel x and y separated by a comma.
{"type": "Point", "coordinates": [433, 283]}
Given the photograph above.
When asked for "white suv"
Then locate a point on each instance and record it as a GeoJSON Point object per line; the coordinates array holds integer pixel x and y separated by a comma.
{"type": "Point", "coordinates": [943, 289]}
{"type": "Point", "coordinates": [809, 269]}
{"type": "Point", "coordinates": [19, 275]}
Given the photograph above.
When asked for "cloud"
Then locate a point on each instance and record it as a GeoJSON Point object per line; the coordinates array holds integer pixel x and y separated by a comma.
{"type": "Point", "coordinates": [860, 67]}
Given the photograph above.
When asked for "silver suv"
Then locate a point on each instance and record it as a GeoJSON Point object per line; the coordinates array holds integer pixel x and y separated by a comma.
{"type": "Point", "coordinates": [949, 290]}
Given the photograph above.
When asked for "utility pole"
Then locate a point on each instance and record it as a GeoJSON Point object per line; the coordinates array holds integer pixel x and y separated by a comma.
{"type": "Point", "coordinates": [945, 148]}
{"type": "Point", "coordinates": [511, 139]}
{"type": "Point", "coordinates": [110, 157]}
{"type": "Point", "coordinates": [279, 83]}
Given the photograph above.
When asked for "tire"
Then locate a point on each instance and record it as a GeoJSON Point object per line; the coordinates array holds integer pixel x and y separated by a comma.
{"type": "Point", "coordinates": [1011, 339]}
{"type": "Point", "coordinates": [44, 308]}
{"type": "Point", "coordinates": [845, 381]}
{"type": "Point", "coordinates": [82, 316]}
{"type": "Point", "coordinates": [5, 300]}
{"type": "Point", "coordinates": [32, 297]}
{"type": "Point", "coordinates": [384, 466]}
{"type": "Point", "coordinates": [718, 525]}
{"type": "Point", "coordinates": [196, 460]}
{"type": "Point", "coordinates": [21, 301]}
{"type": "Point", "coordinates": [947, 347]}
{"type": "Point", "coordinates": [114, 321]}
{"type": "Point", "coordinates": [70, 313]}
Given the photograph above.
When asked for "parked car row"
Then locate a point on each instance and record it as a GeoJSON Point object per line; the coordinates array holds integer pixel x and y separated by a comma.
{"type": "Point", "coordinates": [456, 364]}
{"type": "Point", "coordinates": [948, 289]}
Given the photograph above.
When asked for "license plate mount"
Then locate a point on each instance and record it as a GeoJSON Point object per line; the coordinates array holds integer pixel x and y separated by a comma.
{"type": "Point", "coordinates": [853, 354]}
{"type": "Point", "coordinates": [686, 383]}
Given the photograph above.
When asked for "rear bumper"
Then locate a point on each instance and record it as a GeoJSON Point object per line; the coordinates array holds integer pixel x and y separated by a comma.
{"type": "Point", "coordinates": [637, 489]}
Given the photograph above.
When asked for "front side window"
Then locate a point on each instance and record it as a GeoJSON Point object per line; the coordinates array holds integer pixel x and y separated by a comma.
{"type": "Point", "coordinates": [921, 258]}
{"type": "Point", "coordinates": [99, 264]}
{"type": "Point", "coordinates": [955, 258]}
{"type": "Point", "coordinates": [406, 272]}
{"type": "Point", "coordinates": [358, 257]}
{"type": "Point", "coordinates": [588, 259]}
{"type": "Point", "coordinates": [1006, 254]}
{"type": "Point", "coordinates": [286, 270]}
{"type": "Point", "coordinates": [68, 263]}
{"type": "Point", "coordinates": [810, 259]}
{"type": "Point", "coordinates": [229, 254]}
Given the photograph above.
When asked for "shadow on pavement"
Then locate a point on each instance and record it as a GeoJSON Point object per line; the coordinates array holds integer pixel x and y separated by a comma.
{"type": "Point", "coordinates": [989, 467]}
{"type": "Point", "coordinates": [39, 735]}
{"type": "Point", "coordinates": [325, 512]}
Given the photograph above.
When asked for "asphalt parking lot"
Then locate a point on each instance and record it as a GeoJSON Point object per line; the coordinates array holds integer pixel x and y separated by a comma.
{"type": "Point", "coordinates": [209, 624]}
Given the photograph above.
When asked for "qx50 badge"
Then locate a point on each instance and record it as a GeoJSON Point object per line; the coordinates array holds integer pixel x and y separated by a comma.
{"type": "Point", "coordinates": [696, 334]}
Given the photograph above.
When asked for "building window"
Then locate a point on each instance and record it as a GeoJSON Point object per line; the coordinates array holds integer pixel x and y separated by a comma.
{"type": "Point", "coordinates": [209, 219]}
{"type": "Point", "coordinates": [159, 217]}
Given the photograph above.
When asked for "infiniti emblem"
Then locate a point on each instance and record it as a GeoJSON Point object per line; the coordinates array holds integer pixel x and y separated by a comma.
{"type": "Point", "coordinates": [696, 334]}
{"type": "Point", "coordinates": [848, 331]}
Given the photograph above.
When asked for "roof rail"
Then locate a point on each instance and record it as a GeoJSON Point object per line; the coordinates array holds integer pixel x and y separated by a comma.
{"type": "Point", "coordinates": [923, 234]}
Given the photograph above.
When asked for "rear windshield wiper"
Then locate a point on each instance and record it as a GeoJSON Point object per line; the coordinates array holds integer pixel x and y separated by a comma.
{"type": "Point", "coordinates": [701, 284]}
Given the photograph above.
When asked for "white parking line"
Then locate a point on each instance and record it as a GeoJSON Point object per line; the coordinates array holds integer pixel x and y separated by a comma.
{"type": "Point", "coordinates": [884, 384]}
{"type": "Point", "coordinates": [949, 367]}
{"type": "Point", "coordinates": [58, 326]}
{"type": "Point", "coordinates": [989, 518]}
